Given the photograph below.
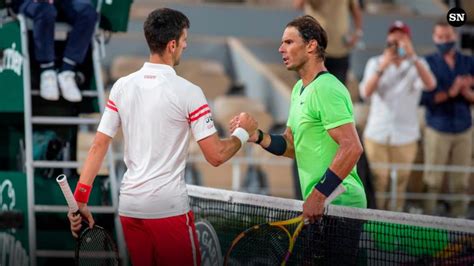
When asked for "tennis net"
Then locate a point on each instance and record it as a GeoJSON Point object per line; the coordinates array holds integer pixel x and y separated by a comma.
{"type": "Point", "coordinates": [344, 236]}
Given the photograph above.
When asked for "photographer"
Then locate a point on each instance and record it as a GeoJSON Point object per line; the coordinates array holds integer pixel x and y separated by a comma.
{"type": "Point", "coordinates": [394, 82]}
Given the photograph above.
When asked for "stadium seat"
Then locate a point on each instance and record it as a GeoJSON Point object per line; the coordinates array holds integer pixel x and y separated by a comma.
{"type": "Point", "coordinates": [210, 176]}
{"type": "Point", "coordinates": [124, 65]}
{"type": "Point", "coordinates": [226, 107]}
{"type": "Point", "coordinates": [279, 177]}
{"type": "Point", "coordinates": [288, 77]}
{"type": "Point", "coordinates": [210, 75]}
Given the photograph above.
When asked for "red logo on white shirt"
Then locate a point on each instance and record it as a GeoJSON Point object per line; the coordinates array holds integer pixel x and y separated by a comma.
{"type": "Point", "coordinates": [198, 113]}
{"type": "Point", "coordinates": [111, 105]}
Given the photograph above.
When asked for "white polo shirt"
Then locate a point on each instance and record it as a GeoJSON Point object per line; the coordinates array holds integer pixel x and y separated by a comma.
{"type": "Point", "coordinates": [157, 110]}
{"type": "Point", "coordinates": [393, 118]}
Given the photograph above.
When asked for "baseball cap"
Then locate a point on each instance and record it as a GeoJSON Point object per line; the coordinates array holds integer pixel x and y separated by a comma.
{"type": "Point", "coordinates": [401, 26]}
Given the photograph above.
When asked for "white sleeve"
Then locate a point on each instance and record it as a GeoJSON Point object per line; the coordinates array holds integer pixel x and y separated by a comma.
{"type": "Point", "coordinates": [199, 115]}
{"type": "Point", "coordinates": [110, 121]}
{"type": "Point", "coordinates": [369, 71]}
{"type": "Point", "coordinates": [419, 85]}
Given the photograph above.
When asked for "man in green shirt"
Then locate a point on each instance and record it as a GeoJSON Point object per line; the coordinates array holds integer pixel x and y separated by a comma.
{"type": "Point", "coordinates": [320, 132]}
{"type": "Point", "coordinates": [321, 135]}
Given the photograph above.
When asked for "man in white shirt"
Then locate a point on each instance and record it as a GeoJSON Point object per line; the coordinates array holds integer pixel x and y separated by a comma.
{"type": "Point", "coordinates": [394, 81]}
{"type": "Point", "coordinates": [157, 111]}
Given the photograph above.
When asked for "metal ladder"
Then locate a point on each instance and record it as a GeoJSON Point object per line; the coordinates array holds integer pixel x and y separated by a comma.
{"type": "Point", "coordinates": [30, 164]}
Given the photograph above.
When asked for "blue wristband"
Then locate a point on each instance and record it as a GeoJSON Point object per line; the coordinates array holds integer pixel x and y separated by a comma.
{"type": "Point", "coordinates": [328, 183]}
{"type": "Point", "coordinates": [277, 145]}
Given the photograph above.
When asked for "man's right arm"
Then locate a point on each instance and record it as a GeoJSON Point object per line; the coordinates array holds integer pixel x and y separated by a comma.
{"type": "Point", "coordinates": [94, 160]}
{"type": "Point", "coordinates": [373, 72]}
{"type": "Point", "coordinates": [453, 91]}
{"type": "Point", "coordinates": [280, 145]}
{"type": "Point", "coordinates": [217, 151]}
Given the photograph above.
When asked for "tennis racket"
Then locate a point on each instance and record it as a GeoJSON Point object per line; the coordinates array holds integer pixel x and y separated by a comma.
{"type": "Point", "coordinates": [94, 245]}
{"type": "Point", "coordinates": [269, 243]}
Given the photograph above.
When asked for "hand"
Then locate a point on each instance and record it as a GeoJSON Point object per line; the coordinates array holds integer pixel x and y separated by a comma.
{"type": "Point", "coordinates": [75, 219]}
{"type": "Point", "coordinates": [248, 123]}
{"type": "Point", "coordinates": [467, 81]}
{"type": "Point", "coordinates": [313, 207]}
{"type": "Point", "coordinates": [406, 44]}
{"type": "Point", "coordinates": [466, 85]}
{"type": "Point", "coordinates": [456, 87]}
{"type": "Point", "coordinates": [388, 57]}
{"type": "Point", "coordinates": [254, 137]}
{"type": "Point", "coordinates": [233, 124]}
{"type": "Point", "coordinates": [351, 40]}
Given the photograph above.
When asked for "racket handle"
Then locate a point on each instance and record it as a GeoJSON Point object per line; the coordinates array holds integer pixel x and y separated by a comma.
{"type": "Point", "coordinates": [66, 189]}
{"type": "Point", "coordinates": [338, 191]}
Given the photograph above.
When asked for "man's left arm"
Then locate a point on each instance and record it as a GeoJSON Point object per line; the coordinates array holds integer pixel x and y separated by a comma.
{"type": "Point", "coordinates": [468, 79]}
{"type": "Point", "coordinates": [346, 158]}
{"type": "Point", "coordinates": [422, 68]}
{"type": "Point", "coordinates": [357, 18]}
{"type": "Point", "coordinates": [425, 74]}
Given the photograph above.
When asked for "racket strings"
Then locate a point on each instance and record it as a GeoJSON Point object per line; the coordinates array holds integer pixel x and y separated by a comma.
{"type": "Point", "coordinates": [266, 245]}
{"type": "Point", "coordinates": [95, 247]}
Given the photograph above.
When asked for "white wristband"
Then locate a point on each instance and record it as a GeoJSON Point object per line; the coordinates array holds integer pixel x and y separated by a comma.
{"type": "Point", "coordinates": [241, 134]}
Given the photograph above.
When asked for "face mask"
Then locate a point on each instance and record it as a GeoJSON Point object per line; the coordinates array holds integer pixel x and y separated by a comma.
{"type": "Point", "coordinates": [445, 47]}
{"type": "Point", "coordinates": [401, 52]}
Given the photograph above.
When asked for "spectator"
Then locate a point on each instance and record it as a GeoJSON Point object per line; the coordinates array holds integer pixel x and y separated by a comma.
{"type": "Point", "coordinates": [448, 135]}
{"type": "Point", "coordinates": [340, 39]}
{"type": "Point", "coordinates": [394, 81]}
{"type": "Point", "coordinates": [81, 15]}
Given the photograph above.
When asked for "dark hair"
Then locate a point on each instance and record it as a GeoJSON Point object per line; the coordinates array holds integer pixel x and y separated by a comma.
{"type": "Point", "coordinates": [442, 23]}
{"type": "Point", "coordinates": [162, 26]}
{"type": "Point", "coordinates": [310, 29]}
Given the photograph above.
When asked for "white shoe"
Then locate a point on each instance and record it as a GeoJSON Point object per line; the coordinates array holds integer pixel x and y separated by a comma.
{"type": "Point", "coordinates": [68, 86]}
{"type": "Point", "coordinates": [49, 85]}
